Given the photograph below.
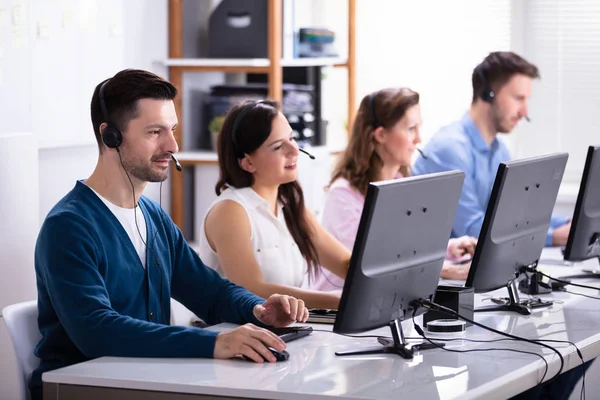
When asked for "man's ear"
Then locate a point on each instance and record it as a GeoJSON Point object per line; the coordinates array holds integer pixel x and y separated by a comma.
{"type": "Point", "coordinates": [246, 164]}
{"type": "Point", "coordinates": [379, 135]}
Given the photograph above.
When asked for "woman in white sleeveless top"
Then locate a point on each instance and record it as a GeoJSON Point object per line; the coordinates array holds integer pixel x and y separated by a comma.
{"type": "Point", "coordinates": [258, 233]}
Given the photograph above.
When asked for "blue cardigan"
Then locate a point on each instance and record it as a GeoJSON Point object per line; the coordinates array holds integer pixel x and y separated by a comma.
{"type": "Point", "coordinates": [96, 299]}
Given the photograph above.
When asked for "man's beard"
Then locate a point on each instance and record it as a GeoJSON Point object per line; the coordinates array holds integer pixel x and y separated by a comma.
{"type": "Point", "coordinates": [143, 171]}
{"type": "Point", "coordinates": [497, 120]}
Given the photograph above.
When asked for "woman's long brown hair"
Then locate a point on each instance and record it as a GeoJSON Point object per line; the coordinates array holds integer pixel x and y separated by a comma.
{"type": "Point", "coordinates": [360, 163]}
{"type": "Point", "coordinates": [245, 129]}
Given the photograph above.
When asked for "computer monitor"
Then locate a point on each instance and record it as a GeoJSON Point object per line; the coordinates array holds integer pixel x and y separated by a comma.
{"type": "Point", "coordinates": [584, 237]}
{"type": "Point", "coordinates": [515, 225]}
{"type": "Point", "coordinates": [398, 254]}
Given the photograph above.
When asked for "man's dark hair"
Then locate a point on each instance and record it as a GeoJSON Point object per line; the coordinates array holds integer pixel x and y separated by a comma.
{"type": "Point", "coordinates": [121, 95]}
{"type": "Point", "coordinates": [497, 69]}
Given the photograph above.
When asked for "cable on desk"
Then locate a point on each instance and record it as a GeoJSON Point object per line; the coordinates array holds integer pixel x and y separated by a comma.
{"type": "Point", "coordinates": [529, 269]}
{"type": "Point", "coordinates": [420, 332]}
{"type": "Point", "coordinates": [580, 294]}
{"type": "Point", "coordinates": [443, 348]}
{"type": "Point", "coordinates": [579, 354]}
{"type": "Point", "coordinates": [509, 337]}
{"type": "Point", "coordinates": [436, 307]}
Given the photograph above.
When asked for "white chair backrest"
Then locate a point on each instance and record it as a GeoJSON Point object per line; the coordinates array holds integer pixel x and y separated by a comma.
{"type": "Point", "coordinates": [21, 321]}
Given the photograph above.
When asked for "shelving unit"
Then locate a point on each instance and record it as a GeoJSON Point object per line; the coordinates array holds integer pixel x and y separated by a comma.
{"type": "Point", "coordinates": [272, 66]}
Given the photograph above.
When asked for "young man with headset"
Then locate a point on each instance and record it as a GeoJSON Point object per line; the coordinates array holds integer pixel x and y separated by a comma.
{"type": "Point", "coordinates": [501, 88]}
{"type": "Point", "coordinates": [108, 260]}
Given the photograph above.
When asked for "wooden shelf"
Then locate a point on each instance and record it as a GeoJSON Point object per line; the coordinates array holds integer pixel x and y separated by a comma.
{"type": "Point", "coordinates": [314, 62]}
{"type": "Point", "coordinates": [272, 66]}
{"type": "Point", "coordinates": [217, 64]}
{"type": "Point", "coordinates": [199, 157]}
{"type": "Point", "coordinates": [207, 157]}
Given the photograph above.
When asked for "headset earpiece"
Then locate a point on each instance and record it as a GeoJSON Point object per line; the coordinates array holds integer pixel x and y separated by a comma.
{"type": "Point", "coordinates": [111, 136]}
{"type": "Point", "coordinates": [486, 93]}
{"type": "Point", "coordinates": [375, 123]}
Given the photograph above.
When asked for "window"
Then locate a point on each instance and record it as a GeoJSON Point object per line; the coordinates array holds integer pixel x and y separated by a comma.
{"type": "Point", "coordinates": [562, 37]}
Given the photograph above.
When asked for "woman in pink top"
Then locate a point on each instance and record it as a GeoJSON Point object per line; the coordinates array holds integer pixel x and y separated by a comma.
{"type": "Point", "coordinates": [384, 137]}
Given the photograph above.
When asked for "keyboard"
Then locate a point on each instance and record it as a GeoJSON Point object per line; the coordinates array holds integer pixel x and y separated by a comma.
{"type": "Point", "coordinates": [289, 333]}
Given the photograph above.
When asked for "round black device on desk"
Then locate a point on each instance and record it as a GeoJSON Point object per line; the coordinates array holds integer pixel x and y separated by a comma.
{"type": "Point", "coordinates": [446, 326]}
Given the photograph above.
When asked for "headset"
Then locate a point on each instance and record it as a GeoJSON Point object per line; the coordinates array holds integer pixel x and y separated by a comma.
{"type": "Point", "coordinates": [375, 123]}
{"type": "Point", "coordinates": [486, 93]}
{"type": "Point", "coordinates": [238, 120]}
{"type": "Point", "coordinates": [111, 135]}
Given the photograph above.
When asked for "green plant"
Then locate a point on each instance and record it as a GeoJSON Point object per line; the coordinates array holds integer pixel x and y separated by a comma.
{"type": "Point", "coordinates": [216, 124]}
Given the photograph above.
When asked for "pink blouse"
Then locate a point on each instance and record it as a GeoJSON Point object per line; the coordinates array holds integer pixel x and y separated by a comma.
{"type": "Point", "coordinates": [341, 217]}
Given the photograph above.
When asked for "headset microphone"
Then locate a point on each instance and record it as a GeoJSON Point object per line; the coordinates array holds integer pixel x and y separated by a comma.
{"type": "Point", "coordinates": [421, 153]}
{"type": "Point", "coordinates": [527, 118]}
{"type": "Point", "coordinates": [177, 165]}
{"type": "Point", "coordinates": [307, 153]}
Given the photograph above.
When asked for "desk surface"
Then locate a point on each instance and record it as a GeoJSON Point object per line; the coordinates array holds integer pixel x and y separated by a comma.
{"type": "Point", "coordinates": [315, 372]}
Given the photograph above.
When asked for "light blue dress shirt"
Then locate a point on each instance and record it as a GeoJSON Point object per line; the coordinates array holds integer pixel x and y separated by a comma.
{"type": "Point", "coordinates": [460, 146]}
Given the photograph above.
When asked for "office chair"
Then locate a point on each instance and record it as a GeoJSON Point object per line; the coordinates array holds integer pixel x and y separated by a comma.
{"type": "Point", "coordinates": [21, 321]}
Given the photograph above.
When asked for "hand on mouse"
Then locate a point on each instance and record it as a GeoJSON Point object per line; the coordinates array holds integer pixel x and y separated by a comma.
{"type": "Point", "coordinates": [281, 310]}
{"type": "Point", "coordinates": [248, 340]}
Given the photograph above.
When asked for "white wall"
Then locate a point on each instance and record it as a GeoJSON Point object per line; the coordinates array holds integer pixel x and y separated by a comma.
{"type": "Point", "coordinates": [142, 42]}
{"type": "Point", "coordinates": [19, 197]}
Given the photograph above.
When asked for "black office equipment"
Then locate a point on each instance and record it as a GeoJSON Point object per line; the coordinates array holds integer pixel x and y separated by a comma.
{"type": "Point", "coordinates": [515, 226]}
{"type": "Point", "coordinates": [300, 105]}
{"type": "Point", "coordinates": [457, 298]}
{"type": "Point", "coordinates": [321, 316]}
{"type": "Point", "coordinates": [290, 333]}
{"type": "Point", "coordinates": [279, 355]}
{"type": "Point", "coordinates": [309, 79]}
{"type": "Point", "coordinates": [398, 255]}
{"type": "Point", "coordinates": [238, 29]}
{"type": "Point", "coordinates": [584, 237]}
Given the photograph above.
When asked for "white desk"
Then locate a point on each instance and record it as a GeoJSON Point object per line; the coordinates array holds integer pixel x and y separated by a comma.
{"type": "Point", "coordinates": [315, 372]}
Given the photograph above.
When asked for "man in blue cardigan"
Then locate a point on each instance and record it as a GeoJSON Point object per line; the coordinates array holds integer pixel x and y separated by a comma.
{"type": "Point", "coordinates": [108, 260]}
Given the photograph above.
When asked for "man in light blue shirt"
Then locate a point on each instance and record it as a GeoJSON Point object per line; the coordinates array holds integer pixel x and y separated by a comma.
{"type": "Point", "coordinates": [501, 88]}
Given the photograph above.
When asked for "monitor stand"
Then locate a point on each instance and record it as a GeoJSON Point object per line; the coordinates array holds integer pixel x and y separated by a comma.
{"type": "Point", "coordinates": [514, 303]}
{"type": "Point", "coordinates": [397, 346]}
{"type": "Point", "coordinates": [593, 251]}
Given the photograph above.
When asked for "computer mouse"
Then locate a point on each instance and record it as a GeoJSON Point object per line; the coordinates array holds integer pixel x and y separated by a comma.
{"type": "Point", "coordinates": [279, 355]}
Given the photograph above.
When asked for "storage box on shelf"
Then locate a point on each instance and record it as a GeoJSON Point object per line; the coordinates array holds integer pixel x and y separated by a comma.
{"type": "Point", "coordinates": [272, 66]}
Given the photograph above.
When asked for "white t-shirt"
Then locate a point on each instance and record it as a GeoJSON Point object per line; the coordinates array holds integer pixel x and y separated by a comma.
{"type": "Point", "coordinates": [127, 218]}
{"type": "Point", "coordinates": [274, 247]}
